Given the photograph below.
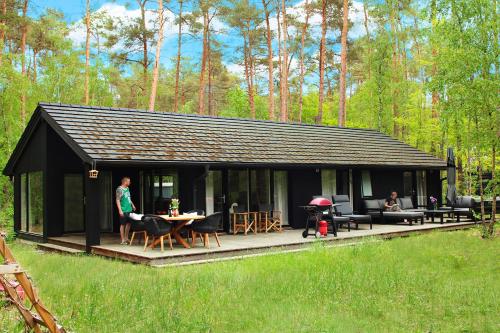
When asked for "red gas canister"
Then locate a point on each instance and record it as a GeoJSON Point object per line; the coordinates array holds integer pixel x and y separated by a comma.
{"type": "Point", "coordinates": [323, 228]}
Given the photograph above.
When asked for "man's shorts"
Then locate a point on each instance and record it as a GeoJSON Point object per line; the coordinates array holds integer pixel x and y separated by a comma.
{"type": "Point", "coordinates": [125, 219]}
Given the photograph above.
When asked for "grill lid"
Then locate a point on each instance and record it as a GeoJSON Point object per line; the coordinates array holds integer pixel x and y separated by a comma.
{"type": "Point", "coordinates": [320, 202]}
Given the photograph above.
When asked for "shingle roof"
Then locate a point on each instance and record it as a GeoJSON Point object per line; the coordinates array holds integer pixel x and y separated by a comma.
{"type": "Point", "coordinates": [112, 134]}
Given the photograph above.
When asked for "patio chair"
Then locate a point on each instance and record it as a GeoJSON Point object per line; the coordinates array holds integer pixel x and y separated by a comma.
{"type": "Point", "coordinates": [138, 227]}
{"type": "Point", "coordinates": [268, 219]}
{"type": "Point", "coordinates": [375, 208]}
{"type": "Point", "coordinates": [345, 209]}
{"type": "Point", "coordinates": [186, 230]}
{"type": "Point", "coordinates": [463, 206]}
{"type": "Point", "coordinates": [156, 227]}
{"type": "Point", "coordinates": [207, 227]}
{"type": "Point", "coordinates": [242, 220]}
{"type": "Point", "coordinates": [406, 204]}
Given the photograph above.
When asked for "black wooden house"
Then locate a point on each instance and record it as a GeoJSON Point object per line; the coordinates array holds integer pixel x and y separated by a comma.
{"type": "Point", "coordinates": [207, 162]}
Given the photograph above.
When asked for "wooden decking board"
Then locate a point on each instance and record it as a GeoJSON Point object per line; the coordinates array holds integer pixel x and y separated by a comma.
{"type": "Point", "coordinates": [240, 246]}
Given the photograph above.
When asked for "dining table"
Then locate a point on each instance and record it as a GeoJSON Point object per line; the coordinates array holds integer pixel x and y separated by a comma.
{"type": "Point", "coordinates": [181, 221]}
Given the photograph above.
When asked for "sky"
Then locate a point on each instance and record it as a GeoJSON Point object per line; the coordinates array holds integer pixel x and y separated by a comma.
{"type": "Point", "coordinates": [74, 10]}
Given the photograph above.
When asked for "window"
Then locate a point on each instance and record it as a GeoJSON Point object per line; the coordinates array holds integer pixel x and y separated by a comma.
{"type": "Point", "coordinates": [73, 203]}
{"type": "Point", "coordinates": [407, 184]}
{"type": "Point", "coordinates": [421, 188]}
{"type": "Point", "coordinates": [24, 202]}
{"type": "Point", "coordinates": [366, 184]}
{"type": "Point", "coordinates": [281, 195]}
{"type": "Point", "coordinates": [260, 188]}
{"type": "Point", "coordinates": [328, 183]}
{"type": "Point", "coordinates": [31, 188]}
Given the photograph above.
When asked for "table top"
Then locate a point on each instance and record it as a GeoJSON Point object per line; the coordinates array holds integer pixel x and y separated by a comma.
{"type": "Point", "coordinates": [437, 211]}
{"type": "Point", "coordinates": [182, 217]}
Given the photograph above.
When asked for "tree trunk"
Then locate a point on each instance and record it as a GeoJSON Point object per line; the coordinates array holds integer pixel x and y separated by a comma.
{"type": "Point", "coordinates": [248, 71]}
{"type": "Point", "coordinates": [395, 73]}
{"type": "Point", "coordinates": [270, 64]}
{"type": "Point", "coordinates": [284, 72]}
{"type": "Point", "coordinates": [280, 54]}
{"type": "Point", "coordinates": [24, 34]}
{"type": "Point", "coordinates": [209, 74]}
{"type": "Point", "coordinates": [35, 70]}
{"type": "Point", "coordinates": [343, 66]}
{"type": "Point", "coordinates": [2, 29]}
{"type": "Point", "coordinates": [87, 53]}
{"type": "Point", "coordinates": [491, 227]}
{"type": "Point", "coordinates": [301, 65]}
{"type": "Point", "coordinates": [201, 92]}
{"type": "Point", "coordinates": [156, 69]}
{"type": "Point", "coordinates": [178, 60]}
{"type": "Point", "coordinates": [322, 58]}
{"type": "Point", "coordinates": [145, 60]}
{"type": "Point", "coordinates": [365, 11]}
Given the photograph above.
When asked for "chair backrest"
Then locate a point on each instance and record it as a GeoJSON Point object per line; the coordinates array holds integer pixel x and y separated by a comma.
{"type": "Point", "coordinates": [465, 202]}
{"type": "Point", "coordinates": [405, 203]}
{"type": "Point", "coordinates": [199, 212]}
{"type": "Point", "coordinates": [373, 204]}
{"type": "Point", "coordinates": [210, 224]}
{"type": "Point", "coordinates": [154, 224]}
{"type": "Point", "coordinates": [240, 209]}
{"type": "Point", "coordinates": [345, 207]}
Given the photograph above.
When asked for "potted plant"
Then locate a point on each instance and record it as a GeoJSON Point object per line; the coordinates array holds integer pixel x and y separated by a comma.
{"type": "Point", "coordinates": [433, 202]}
{"type": "Point", "coordinates": [174, 207]}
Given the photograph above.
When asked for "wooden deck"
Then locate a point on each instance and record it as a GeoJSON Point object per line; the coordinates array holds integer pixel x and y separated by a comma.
{"type": "Point", "coordinates": [240, 246]}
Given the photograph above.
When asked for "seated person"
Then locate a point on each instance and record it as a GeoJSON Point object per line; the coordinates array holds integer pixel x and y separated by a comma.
{"type": "Point", "coordinates": [391, 203]}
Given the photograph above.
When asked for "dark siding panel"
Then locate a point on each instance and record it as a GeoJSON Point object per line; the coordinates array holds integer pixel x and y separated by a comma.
{"type": "Point", "coordinates": [32, 157]}
{"type": "Point", "coordinates": [302, 186]}
{"type": "Point", "coordinates": [60, 160]}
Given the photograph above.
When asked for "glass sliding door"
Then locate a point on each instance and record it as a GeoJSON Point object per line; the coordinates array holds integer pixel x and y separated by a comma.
{"type": "Point", "coordinates": [73, 203]}
{"type": "Point", "coordinates": [238, 188]}
{"type": "Point", "coordinates": [328, 183]}
{"type": "Point", "coordinates": [214, 196]}
{"type": "Point", "coordinates": [421, 188]}
{"type": "Point", "coordinates": [260, 188]}
{"type": "Point", "coordinates": [280, 195]}
{"type": "Point", "coordinates": [35, 202]}
{"type": "Point", "coordinates": [24, 202]}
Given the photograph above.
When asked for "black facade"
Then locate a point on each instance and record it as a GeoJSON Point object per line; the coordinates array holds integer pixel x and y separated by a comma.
{"type": "Point", "coordinates": [73, 202]}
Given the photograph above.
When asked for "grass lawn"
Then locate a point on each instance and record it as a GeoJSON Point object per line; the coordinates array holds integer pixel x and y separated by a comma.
{"type": "Point", "coordinates": [439, 282]}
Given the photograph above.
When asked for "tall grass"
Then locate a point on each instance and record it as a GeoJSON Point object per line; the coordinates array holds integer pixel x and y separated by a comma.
{"type": "Point", "coordinates": [438, 282]}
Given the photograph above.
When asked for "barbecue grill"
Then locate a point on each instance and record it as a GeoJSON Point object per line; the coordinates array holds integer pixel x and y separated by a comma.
{"type": "Point", "coordinates": [318, 209]}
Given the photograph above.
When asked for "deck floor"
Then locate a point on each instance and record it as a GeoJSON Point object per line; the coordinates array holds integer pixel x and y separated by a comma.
{"type": "Point", "coordinates": [240, 245]}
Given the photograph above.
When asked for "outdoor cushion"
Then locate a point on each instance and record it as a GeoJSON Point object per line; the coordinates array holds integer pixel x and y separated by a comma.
{"type": "Point", "coordinates": [465, 202]}
{"type": "Point", "coordinates": [360, 218]}
{"type": "Point", "coordinates": [345, 204]}
{"type": "Point", "coordinates": [405, 203]}
{"type": "Point", "coordinates": [372, 204]}
{"type": "Point", "coordinates": [403, 215]}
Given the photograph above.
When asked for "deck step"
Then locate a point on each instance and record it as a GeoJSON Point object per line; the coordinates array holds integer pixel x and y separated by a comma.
{"type": "Point", "coordinates": [47, 247]}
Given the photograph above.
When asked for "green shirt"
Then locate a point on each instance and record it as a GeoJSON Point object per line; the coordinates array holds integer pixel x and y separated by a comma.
{"type": "Point", "coordinates": [123, 195]}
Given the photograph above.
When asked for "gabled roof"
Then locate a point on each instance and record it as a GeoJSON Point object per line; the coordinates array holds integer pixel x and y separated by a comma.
{"type": "Point", "coordinates": [114, 135]}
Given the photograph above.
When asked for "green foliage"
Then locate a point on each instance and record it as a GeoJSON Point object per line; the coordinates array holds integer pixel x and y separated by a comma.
{"type": "Point", "coordinates": [402, 285]}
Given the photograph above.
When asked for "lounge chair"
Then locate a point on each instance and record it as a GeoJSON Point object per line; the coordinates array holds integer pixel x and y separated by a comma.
{"type": "Point", "coordinates": [345, 209]}
{"type": "Point", "coordinates": [375, 208]}
{"type": "Point", "coordinates": [463, 206]}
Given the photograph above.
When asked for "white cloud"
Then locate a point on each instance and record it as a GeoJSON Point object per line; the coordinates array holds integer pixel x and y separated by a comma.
{"type": "Point", "coordinates": [119, 12]}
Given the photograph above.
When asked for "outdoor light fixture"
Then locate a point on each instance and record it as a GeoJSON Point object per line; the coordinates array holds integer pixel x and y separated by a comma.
{"type": "Point", "coordinates": [93, 173]}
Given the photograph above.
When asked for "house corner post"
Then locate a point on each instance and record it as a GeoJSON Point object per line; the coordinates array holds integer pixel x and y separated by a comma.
{"type": "Point", "coordinates": [91, 201]}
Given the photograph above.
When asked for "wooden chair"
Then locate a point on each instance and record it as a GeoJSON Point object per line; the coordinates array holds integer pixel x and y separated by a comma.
{"type": "Point", "coordinates": [244, 220]}
{"type": "Point", "coordinates": [205, 228]}
{"type": "Point", "coordinates": [269, 219]}
{"type": "Point", "coordinates": [156, 227]}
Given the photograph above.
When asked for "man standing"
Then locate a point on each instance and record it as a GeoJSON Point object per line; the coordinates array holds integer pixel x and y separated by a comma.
{"type": "Point", "coordinates": [125, 207]}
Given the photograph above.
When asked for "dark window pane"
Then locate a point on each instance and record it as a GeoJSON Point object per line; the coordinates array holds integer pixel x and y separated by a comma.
{"type": "Point", "coordinates": [73, 203]}
{"type": "Point", "coordinates": [35, 202]}
{"type": "Point", "coordinates": [24, 203]}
